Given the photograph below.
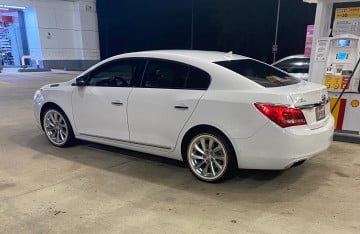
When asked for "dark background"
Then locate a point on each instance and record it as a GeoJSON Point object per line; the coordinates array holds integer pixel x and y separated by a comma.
{"type": "Point", "coordinates": [244, 27]}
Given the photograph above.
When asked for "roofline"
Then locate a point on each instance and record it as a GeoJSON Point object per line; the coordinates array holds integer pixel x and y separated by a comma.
{"type": "Point", "coordinates": [185, 54]}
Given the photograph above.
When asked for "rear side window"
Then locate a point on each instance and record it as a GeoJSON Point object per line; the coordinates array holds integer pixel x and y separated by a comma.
{"type": "Point", "coordinates": [166, 75]}
{"type": "Point", "coordinates": [260, 73]}
{"type": "Point", "coordinates": [197, 80]}
{"type": "Point", "coordinates": [172, 75]}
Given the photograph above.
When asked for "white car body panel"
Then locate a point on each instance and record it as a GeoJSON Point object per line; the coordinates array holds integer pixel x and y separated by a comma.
{"type": "Point", "coordinates": [156, 121]}
{"type": "Point", "coordinates": [148, 122]}
{"type": "Point", "coordinates": [60, 94]}
{"type": "Point", "coordinates": [94, 113]}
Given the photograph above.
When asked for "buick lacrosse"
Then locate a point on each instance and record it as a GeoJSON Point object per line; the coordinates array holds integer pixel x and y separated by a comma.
{"type": "Point", "coordinates": [217, 112]}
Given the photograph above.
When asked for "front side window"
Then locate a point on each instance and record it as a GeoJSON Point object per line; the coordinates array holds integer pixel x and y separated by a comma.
{"type": "Point", "coordinates": [260, 73]}
{"type": "Point", "coordinates": [121, 73]}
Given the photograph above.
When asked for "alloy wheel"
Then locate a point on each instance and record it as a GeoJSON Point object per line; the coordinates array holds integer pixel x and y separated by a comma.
{"type": "Point", "coordinates": [207, 157]}
{"type": "Point", "coordinates": [56, 128]}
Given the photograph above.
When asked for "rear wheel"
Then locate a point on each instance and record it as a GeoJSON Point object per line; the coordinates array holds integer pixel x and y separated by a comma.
{"type": "Point", "coordinates": [210, 157]}
{"type": "Point", "coordinates": [57, 128]}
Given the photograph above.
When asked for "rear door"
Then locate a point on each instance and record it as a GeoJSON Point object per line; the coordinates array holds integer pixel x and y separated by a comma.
{"type": "Point", "coordinates": [159, 109]}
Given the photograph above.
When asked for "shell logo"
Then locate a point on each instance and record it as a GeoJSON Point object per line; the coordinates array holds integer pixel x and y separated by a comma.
{"type": "Point", "coordinates": [355, 103]}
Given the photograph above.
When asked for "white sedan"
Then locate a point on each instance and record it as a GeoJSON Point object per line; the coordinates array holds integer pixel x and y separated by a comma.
{"type": "Point", "coordinates": [296, 65]}
{"type": "Point", "coordinates": [216, 111]}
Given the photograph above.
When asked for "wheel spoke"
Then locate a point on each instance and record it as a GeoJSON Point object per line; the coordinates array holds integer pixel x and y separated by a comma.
{"type": "Point", "coordinates": [198, 157]}
{"type": "Point", "coordinates": [218, 165]}
{"type": "Point", "coordinates": [203, 144]}
{"type": "Point", "coordinates": [62, 135]}
{"type": "Point", "coordinates": [205, 170]}
{"type": "Point", "coordinates": [52, 119]}
{"type": "Point", "coordinates": [212, 169]}
{"type": "Point", "coordinates": [57, 117]}
{"type": "Point", "coordinates": [198, 149]}
{"type": "Point", "coordinates": [58, 136]}
{"type": "Point", "coordinates": [50, 123]}
{"type": "Point", "coordinates": [211, 143]}
{"type": "Point", "coordinates": [221, 158]}
{"type": "Point", "coordinates": [49, 128]}
{"type": "Point", "coordinates": [217, 149]}
{"type": "Point", "coordinates": [200, 164]}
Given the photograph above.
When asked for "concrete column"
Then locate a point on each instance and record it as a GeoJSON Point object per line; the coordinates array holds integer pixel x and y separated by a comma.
{"type": "Point", "coordinates": [62, 34]}
{"type": "Point", "coordinates": [321, 29]}
{"type": "Point", "coordinates": [86, 25]}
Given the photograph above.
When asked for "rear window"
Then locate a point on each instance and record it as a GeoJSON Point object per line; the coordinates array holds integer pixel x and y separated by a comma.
{"type": "Point", "coordinates": [260, 73]}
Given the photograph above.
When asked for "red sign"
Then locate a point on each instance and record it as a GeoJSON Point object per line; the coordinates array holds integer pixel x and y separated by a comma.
{"type": "Point", "coordinates": [309, 40]}
{"type": "Point", "coordinates": [7, 19]}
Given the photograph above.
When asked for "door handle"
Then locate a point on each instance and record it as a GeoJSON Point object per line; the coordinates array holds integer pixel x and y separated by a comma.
{"type": "Point", "coordinates": [181, 107]}
{"type": "Point", "coordinates": [117, 103]}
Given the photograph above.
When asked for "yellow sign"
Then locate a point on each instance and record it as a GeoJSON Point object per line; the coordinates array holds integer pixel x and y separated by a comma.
{"type": "Point", "coordinates": [355, 103]}
{"type": "Point", "coordinates": [333, 82]}
{"type": "Point", "coordinates": [346, 21]}
{"type": "Point", "coordinates": [272, 78]}
{"type": "Point", "coordinates": [347, 13]}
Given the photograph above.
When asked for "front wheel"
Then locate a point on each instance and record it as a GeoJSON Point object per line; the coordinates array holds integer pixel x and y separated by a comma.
{"type": "Point", "coordinates": [57, 128]}
{"type": "Point", "coordinates": [210, 157]}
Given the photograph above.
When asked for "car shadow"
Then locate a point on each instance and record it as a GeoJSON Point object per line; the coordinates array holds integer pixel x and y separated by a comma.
{"type": "Point", "coordinates": [269, 186]}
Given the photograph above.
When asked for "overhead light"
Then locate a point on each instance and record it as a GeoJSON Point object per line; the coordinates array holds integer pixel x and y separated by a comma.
{"type": "Point", "coordinates": [3, 9]}
{"type": "Point", "coordinates": [12, 7]}
{"type": "Point", "coordinates": [311, 1]}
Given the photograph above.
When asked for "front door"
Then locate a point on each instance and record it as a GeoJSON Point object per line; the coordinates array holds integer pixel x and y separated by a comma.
{"type": "Point", "coordinates": [100, 107]}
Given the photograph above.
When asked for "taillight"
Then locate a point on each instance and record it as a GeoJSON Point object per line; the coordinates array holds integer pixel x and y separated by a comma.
{"type": "Point", "coordinates": [282, 115]}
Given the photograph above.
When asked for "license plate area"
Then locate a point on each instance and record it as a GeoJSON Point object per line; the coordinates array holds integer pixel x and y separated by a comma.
{"type": "Point", "coordinates": [320, 112]}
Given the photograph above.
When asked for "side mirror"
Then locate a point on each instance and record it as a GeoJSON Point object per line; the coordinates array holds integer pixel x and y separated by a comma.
{"type": "Point", "coordinates": [80, 82]}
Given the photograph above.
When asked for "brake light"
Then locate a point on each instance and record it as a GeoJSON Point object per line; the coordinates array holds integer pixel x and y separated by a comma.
{"type": "Point", "coordinates": [282, 115]}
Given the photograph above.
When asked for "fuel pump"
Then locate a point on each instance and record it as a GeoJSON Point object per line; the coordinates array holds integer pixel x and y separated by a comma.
{"type": "Point", "coordinates": [336, 66]}
{"type": "Point", "coordinates": [335, 60]}
{"type": "Point", "coordinates": [341, 61]}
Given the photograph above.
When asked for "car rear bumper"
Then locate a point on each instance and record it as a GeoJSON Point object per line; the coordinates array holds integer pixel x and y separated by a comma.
{"type": "Point", "coordinates": [275, 148]}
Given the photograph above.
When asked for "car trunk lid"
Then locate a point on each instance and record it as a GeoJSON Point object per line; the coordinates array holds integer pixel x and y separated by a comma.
{"type": "Point", "coordinates": [312, 99]}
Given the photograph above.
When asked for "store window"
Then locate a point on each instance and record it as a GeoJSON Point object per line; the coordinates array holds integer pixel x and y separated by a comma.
{"type": "Point", "coordinates": [13, 45]}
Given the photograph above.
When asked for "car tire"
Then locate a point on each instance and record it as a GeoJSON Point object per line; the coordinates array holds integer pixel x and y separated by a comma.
{"type": "Point", "coordinates": [211, 157]}
{"type": "Point", "coordinates": [57, 128]}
